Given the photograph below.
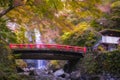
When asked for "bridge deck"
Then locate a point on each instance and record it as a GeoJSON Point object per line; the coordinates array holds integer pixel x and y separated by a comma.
{"type": "Point", "coordinates": [46, 54]}
{"type": "Point", "coordinates": [51, 52]}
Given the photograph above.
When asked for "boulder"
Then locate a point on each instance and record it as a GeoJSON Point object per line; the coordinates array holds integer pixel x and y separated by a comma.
{"type": "Point", "coordinates": [75, 75]}
{"type": "Point", "coordinates": [58, 72]}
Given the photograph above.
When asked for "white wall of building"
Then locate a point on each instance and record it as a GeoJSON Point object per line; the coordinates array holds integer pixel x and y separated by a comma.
{"type": "Point", "coordinates": [110, 40]}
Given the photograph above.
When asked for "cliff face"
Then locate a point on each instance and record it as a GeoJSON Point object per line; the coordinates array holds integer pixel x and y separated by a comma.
{"type": "Point", "coordinates": [7, 66]}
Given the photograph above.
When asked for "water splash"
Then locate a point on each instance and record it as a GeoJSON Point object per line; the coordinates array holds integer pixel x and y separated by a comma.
{"type": "Point", "coordinates": [42, 64]}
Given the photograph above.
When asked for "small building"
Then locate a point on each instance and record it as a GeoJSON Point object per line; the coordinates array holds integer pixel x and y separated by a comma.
{"type": "Point", "coordinates": [110, 39]}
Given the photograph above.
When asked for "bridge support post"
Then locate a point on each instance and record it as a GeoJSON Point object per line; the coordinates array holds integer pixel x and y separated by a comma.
{"type": "Point", "coordinates": [70, 65]}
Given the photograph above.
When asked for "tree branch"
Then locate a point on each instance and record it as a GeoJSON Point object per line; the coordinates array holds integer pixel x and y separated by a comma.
{"type": "Point", "coordinates": [11, 7]}
{"type": "Point", "coordinates": [6, 11]}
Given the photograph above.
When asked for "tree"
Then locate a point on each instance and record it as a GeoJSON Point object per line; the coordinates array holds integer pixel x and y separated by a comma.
{"type": "Point", "coordinates": [114, 16]}
{"type": "Point", "coordinates": [110, 16]}
{"type": "Point", "coordinates": [81, 36]}
{"type": "Point", "coordinates": [7, 66]}
{"type": "Point", "coordinates": [55, 11]}
{"type": "Point", "coordinates": [10, 4]}
{"type": "Point", "coordinates": [6, 34]}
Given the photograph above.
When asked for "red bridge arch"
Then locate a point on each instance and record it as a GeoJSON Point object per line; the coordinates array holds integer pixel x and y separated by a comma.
{"type": "Point", "coordinates": [74, 51]}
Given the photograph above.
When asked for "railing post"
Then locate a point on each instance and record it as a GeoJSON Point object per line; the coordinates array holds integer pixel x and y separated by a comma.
{"type": "Point", "coordinates": [38, 46]}
{"type": "Point", "coordinates": [48, 46]}
{"type": "Point", "coordinates": [75, 49]}
{"type": "Point", "coordinates": [85, 50]}
{"type": "Point", "coordinates": [20, 45]}
{"type": "Point", "coordinates": [58, 47]}
{"type": "Point", "coordinates": [31, 46]}
{"type": "Point", "coordinates": [67, 48]}
{"type": "Point", "coordinates": [10, 45]}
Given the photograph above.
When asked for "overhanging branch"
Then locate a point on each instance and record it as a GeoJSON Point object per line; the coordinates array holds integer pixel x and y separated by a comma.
{"type": "Point", "coordinates": [6, 11]}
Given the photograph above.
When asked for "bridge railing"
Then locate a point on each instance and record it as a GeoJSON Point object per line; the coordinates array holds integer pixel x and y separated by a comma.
{"type": "Point", "coordinates": [49, 46]}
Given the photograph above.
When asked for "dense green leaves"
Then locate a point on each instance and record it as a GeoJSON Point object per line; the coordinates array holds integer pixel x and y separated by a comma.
{"type": "Point", "coordinates": [20, 35]}
{"type": "Point", "coordinates": [115, 15]}
{"type": "Point", "coordinates": [107, 62]}
{"type": "Point", "coordinates": [5, 33]}
{"type": "Point", "coordinates": [81, 36]}
{"type": "Point", "coordinates": [7, 66]}
{"type": "Point", "coordinates": [111, 62]}
{"type": "Point", "coordinates": [4, 3]}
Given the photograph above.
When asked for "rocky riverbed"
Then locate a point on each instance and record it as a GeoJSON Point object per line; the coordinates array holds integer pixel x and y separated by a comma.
{"type": "Point", "coordinates": [37, 74]}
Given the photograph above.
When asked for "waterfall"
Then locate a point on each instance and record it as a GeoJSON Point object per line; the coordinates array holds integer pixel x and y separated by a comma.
{"type": "Point", "coordinates": [41, 64]}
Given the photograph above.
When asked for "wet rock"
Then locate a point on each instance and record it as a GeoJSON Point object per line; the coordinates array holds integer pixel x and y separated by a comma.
{"type": "Point", "coordinates": [40, 72]}
{"type": "Point", "coordinates": [26, 69]}
{"type": "Point", "coordinates": [45, 77]}
{"type": "Point", "coordinates": [58, 72]}
{"type": "Point", "coordinates": [19, 70]}
{"type": "Point", "coordinates": [75, 75]}
{"type": "Point", "coordinates": [24, 73]}
{"type": "Point", "coordinates": [32, 73]}
{"type": "Point", "coordinates": [95, 78]}
{"type": "Point", "coordinates": [67, 76]}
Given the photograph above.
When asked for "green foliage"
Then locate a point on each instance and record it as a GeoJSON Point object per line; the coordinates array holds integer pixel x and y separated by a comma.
{"type": "Point", "coordinates": [96, 25]}
{"type": "Point", "coordinates": [105, 20]}
{"type": "Point", "coordinates": [80, 37]}
{"type": "Point", "coordinates": [5, 33]}
{"type": "Point", "coordinates": [47, 8]}
{"type": "Point", "coordinates": [82, 8]}
{"type": "Point", "coordinates": [56, 64]}
{"type": "Point", "coordinates": [24, 15]}
{"type": "Point", "coordinates": [20, 35]}
{"type": "Point", "coordinates": [89, 65]}
{"type": "Point", "coordinates": [111, 62]}
{"type": "Point", "coordinates": [114, 17]}
{"type": "Point", "coordinates": [4, 3]}
{"type": "Point", "coordinates": [7, 66]}
{"type": "Point", "coordinates": [115, 4]}
{"type": "Point", "coordinates": [21, 63]}
{"type": "Point", "coordinates": [110, 19]}
{"type": "Point", "coordinates": [107, 62]}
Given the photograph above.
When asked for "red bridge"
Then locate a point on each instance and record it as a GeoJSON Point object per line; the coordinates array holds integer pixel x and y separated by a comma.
{"type": "Point", "coordinates": [47, 51]}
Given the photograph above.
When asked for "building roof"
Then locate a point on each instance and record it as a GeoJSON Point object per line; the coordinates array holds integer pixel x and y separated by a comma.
{"type": "Point", "coordinates": [110, 32]}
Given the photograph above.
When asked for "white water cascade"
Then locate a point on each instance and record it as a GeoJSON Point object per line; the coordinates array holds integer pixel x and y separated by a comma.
{"type": "Point", "coordinates": [41, 64]}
